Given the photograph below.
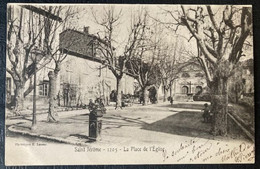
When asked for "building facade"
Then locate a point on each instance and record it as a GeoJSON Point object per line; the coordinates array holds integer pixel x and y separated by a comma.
{"type": "Point", "coordinates": [83, 79]}
{"type": "Point", "coordinates": [84, 74]}
{"type": "Point", "coordinates": [191, 82]}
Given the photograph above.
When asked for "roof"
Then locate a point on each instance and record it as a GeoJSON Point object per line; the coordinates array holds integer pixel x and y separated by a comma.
{"type": "Point", "coordinates": [84, 35]}
{"type": "Point", "coordinates": [78, 44]}
{"type": "Point", "coordinates": [81, 44]}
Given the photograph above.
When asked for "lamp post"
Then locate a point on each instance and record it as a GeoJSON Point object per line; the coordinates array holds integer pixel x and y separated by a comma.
{"type": "Point", "coordinates": [34, 59]}
{"type": "Point", "coordinates": [34, 97]}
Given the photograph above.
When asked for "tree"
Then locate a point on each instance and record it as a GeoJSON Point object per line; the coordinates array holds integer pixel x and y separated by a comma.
{"type": "Point", "coordinates": [57, 55]}
{"type": "Point", "coordinates": [238, 81]}
{"type": "Point", "coordinates": [220, 35]}
{"type": "Point", "coordinates": [145, 63]}
{"type": "Point", "coordinates": [172, 61]}
{"type": "Point", "coordinates": [26, 47]}
{"type": "Point", "coordinates": [147, 74]}
{"type": "Point", "coordinates": [117, 64]}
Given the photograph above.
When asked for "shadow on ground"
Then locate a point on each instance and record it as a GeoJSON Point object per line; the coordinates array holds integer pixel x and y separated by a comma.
{"type": "Point", "coordinates": [183, 123]}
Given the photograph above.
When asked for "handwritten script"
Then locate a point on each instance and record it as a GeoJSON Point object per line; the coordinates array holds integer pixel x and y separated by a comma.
{"type": "Point", "coordinates": [194, 150]}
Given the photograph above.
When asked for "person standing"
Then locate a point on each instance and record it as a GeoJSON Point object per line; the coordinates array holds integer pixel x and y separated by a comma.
{"type": "Point", "coordinates": [206, 113]}
{"type": "Point", "coordinates": [171, 100]}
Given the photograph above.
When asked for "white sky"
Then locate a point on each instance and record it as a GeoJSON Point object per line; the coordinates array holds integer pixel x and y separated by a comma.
{"type": "Point", "coordinates": [122, 30]}
{"type": "Point", "coordinates": [156, 11]}
{"type": "Point", "coordinates": [85, 18]}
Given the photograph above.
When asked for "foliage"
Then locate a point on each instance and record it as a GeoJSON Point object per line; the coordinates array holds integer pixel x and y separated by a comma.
{"type": "Point", "coordinates": [202, 97]}
{"type": "Point", "coordinates": [247, 102]}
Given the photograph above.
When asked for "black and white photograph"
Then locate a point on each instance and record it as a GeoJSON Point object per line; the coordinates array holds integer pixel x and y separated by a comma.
{"type": "Point", "coordinates": [102, 84]}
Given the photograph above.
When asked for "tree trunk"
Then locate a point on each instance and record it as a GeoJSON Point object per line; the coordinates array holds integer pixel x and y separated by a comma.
{"type": "Point", "coordinates": [156, 95]}
{"type": "Point", "coordinates": [170, 89]}
{"type": "Point", "coordinates": [34, 102]}
{"type": "Point", "coordinates": [52, 114]}
{"type": "Point", "coordinates": [145, 95]}
{"type": "Point", "coordinates": [18, 98]}
{"type": "Point", "coordinates": [236, 93]}
{"type": "Point", "coordinates": [29, 89]}
{"type": "Point", "coordinates": [219, 106]}
{"type": "Point", "coordinates": [119, 94]}
{"type": "Point", "coordinates": [164, 94]}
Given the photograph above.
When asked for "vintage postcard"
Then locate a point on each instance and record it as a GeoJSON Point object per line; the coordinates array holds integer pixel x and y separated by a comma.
{"type": "Point", "coordinates": [93, 84]}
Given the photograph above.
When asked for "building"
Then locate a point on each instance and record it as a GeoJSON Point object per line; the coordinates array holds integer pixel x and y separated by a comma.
{"type": "Point", "coordinates": [191, 82]}
{"type": "Point", "coordinates": [83, 72]}
{"type": "Point", "coordinates": [83, 75]}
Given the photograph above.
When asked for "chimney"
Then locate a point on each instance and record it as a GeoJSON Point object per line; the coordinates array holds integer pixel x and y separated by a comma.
{"type": "Point", "coordinates": [86, 29]}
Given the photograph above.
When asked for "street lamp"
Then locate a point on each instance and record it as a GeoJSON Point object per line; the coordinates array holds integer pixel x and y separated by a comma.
{"type": "Point", "coordinates": [36, 56]}
{"type": "Point", "coordinates": [34, 96]}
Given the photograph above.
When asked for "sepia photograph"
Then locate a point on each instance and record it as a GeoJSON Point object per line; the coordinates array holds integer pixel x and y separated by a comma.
{"type": "Point", "coordinates": [110, 84]}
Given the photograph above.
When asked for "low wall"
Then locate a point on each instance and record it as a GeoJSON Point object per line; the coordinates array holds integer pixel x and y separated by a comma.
{"type": "Point", "coordinates": [182, 97]}
{"type": "Point", "coordinates": [189, 105]}
{"type": "Point", "coordinates": [237, 130]}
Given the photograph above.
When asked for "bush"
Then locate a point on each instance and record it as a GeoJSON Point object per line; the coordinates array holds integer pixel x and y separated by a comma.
{"type": "Point", "coordinates": [202, 97]}
{"type": "Point", "coordinates": [247, 102]}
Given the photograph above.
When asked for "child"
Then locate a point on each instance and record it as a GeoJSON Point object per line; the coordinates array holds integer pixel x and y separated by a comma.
{"type": "Point", "coordinates": [206, 114]}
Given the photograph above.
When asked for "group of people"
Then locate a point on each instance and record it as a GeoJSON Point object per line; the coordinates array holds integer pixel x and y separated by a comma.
{"type": "Point", "coordinates": [97, 107]}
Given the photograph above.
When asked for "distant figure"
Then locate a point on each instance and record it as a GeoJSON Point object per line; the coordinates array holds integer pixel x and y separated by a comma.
{"type": "Point", "coordinates": [141, 97]}
{"type": "Point", "coordinates": [113, 96]}
{"type": "Point", "coordinates": [102, 106]}
{"type": "Point", "coordinates": [171, 100]}
{"type": "Point", "coordinates": [58, 98]}
{"type": "Point", "coordinates": [65, 96]}
{"type": "Point", "coordinates": [91, 105]}
{"type": "Point", "coordinates": [206, 113]}
{"type": "Point", "coordinates": [79, 101]}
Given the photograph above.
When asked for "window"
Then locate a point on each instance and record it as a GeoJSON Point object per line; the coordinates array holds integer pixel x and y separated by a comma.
{"type": "Point", "coordinates": [185, 75]}
{"type": "Point", "coordinates": [198, 90]}
{"type": "Point", "coordinates": [185, 90]}
{"type": "Point", "coordinates": [44, 88]}
{"type": "Point", "coordinates": [94, 47]}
